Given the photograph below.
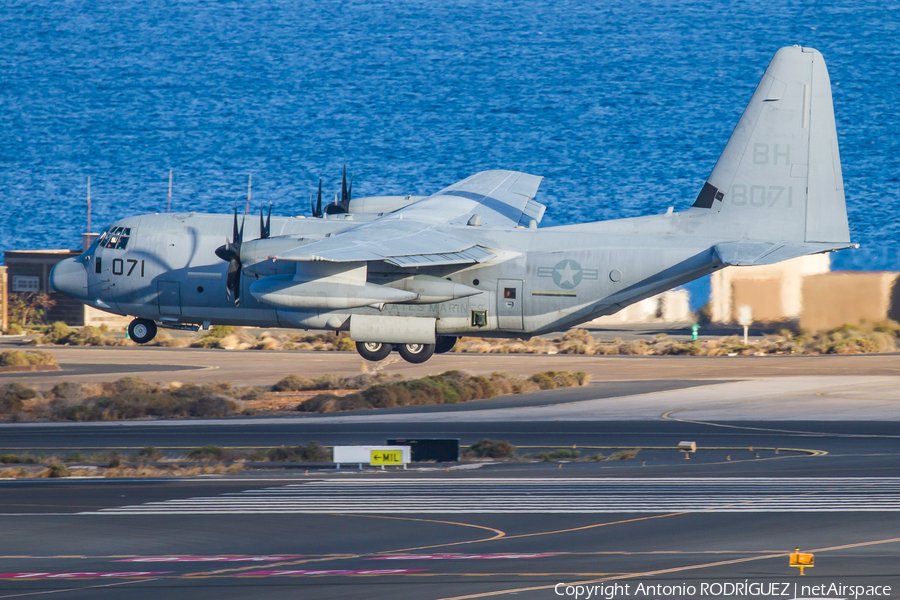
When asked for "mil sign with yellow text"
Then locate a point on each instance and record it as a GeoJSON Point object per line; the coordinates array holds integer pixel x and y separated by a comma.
{"type": "Point", "coordinates": [387, 457]}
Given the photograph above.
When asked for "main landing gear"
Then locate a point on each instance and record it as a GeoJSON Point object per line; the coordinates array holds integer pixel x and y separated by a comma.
{"type": "Point", "coordinates": [414, 353]}
{"type": "Point", "coordinates": [141, 330]}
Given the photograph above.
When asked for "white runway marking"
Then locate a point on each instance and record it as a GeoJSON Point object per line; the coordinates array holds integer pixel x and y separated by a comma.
{"type": "Point", "coordinates": [540, 495]}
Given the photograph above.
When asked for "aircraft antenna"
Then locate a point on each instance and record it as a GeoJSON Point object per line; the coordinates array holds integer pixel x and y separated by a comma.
{"type": "Point", "coordinates": [249, 189]}
{"type": "Point", "coordinates": [89, 204]}
{"type": "Point", "coordinates": [169, 201]}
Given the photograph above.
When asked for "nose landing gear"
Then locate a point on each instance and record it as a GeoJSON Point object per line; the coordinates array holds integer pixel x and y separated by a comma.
{"type": "Point", "coordinates": [141, 330]}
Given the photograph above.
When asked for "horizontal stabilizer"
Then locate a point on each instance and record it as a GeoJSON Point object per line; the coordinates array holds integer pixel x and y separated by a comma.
{"type": "Point", "coordinates": [746, 253]}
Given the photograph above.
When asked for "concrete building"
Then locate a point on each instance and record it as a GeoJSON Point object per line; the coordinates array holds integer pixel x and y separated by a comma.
{"type": "Point", "coordinates": [832, 299]}
{"type": "Point", "coordinates": [773, 292]}
{"type": "Point", "coordinates": [670, 308]}
{"type": "Point", "coordinates": [4, 301]}
{"type": "Point", "coordinates": [29, 271]}
{"type": "Point", "coordinates": [804, 292]}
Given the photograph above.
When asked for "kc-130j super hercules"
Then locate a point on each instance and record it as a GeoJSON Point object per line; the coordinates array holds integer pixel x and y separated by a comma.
{"type": "Point", "coordinates": [414, 273]}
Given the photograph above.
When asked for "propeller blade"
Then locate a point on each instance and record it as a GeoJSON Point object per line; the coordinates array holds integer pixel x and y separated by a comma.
{"type": "Point", "coordinates": [231, 252]}
{"type": "Point", "coordinates": [233, 281]}
{"type": "Point", "coordinates": [349, 192]}
{"type": "Point", "coordinates": [345, 200]}
{"type": "Point", "coordinates": [319, 201]}
{"type": "Point", "coordinates": [269, 221]}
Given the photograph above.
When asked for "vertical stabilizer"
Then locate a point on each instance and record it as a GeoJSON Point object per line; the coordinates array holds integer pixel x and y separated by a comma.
{"type": "Point", "coordinates": [779, 177]}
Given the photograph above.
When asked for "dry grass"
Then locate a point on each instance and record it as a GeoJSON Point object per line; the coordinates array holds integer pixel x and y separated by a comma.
{"type": "Point", "coordinates": [847, 339]}
{"type": "Point", "coordinates": [447, 388]}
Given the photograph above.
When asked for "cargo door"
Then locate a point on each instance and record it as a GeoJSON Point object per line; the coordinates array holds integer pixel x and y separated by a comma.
{"type": "Point", "coordinates": [170, 298]}
{"type": "Point", "coordinates": [509, 304]}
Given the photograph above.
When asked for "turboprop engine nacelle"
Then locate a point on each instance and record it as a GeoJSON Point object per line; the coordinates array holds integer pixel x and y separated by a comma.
{"type": "Point", "coordinates": [431, 290]}
{"type": "Point", "coordinates": [285, 291]}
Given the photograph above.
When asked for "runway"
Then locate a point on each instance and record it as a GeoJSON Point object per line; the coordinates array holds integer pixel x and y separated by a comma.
{"type": "Point", "coordinates": [440, 537]}
{"type": "Point", "coordinates": [792, 452]}
{"type": "Point", "coordinates": [544, 495]}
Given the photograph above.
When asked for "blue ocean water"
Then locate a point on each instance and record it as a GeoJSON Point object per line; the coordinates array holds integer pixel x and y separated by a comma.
{"type": "Point", "coordinates": [623, 107]}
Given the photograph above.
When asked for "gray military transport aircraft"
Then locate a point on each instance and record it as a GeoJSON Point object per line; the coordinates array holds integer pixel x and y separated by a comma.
{"type": "Point", "coordinates": [413, 273]}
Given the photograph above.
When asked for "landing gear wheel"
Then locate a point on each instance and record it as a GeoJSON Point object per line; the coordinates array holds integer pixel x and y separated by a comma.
{"type": "Point", "coordinates": [416, 353]}
{"type": "Point", "coordinates": [445, 343]}
{"type": "Point", "coordinates": [141, 330]}
{"type": "Point", "coordinates": [373, 351]}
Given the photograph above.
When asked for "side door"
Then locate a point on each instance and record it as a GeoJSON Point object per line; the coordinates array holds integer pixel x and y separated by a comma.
{"type": "Point", "coordinates": [169, 298]}
{"type": "Point", "coordinates": [510, 304]}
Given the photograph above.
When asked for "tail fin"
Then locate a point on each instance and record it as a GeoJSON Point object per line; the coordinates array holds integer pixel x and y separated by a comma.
{"type": "Point", "coordinates": [779, 177]}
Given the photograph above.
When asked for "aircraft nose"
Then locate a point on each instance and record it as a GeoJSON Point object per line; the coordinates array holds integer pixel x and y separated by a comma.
{"type": "Point", "coordinates": [69, 277]}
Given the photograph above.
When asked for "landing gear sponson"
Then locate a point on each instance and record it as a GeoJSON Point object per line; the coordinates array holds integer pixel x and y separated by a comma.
{"type": "Point", "coordinates": [142, 331]}
{"type": "Point", "coordinates": [414, 353]}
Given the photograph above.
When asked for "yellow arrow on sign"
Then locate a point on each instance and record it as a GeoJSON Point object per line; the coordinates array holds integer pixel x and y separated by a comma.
{"type": "Point", "coordinates": [387, 457]}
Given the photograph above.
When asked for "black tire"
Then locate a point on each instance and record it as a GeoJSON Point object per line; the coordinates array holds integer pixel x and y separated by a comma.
{"type": "Point", "coordinates": [416, 353]}
{"type": "Point", "coordinates": [373, 351]}
{"type": "Point", "coordinates": [445, 343]}
{"type": "Point", "coordinates": [141, 330]}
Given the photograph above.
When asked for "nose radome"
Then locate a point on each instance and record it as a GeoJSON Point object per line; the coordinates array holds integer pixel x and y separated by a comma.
{"type": "Point", "coordinates": [69, 277]}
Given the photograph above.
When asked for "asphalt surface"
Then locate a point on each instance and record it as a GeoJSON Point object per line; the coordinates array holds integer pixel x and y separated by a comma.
{"type": "Point", "coordinates": [441, 535]}
{"type": "Point", "coordinates": [729, 514]}
{"type": "Point", "coordinates": [256, 367]}
{"type": "Point", "coordinates": [826, 481]}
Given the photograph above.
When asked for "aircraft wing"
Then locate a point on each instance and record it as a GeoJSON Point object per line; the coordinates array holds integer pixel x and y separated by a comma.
{"type": "Point", "coordinates": [434, 230]}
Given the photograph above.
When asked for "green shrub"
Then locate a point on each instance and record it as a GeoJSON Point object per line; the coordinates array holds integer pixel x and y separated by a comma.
{"type": "Point", "coordinates": [624, 454]}
{"type": "Point", "coordinates": [293, 383]}
{"type": "Point", "coordinates": [67, 390]}
{"type": "Point", "coordinates": [61, 334]}
{"type": "Point", "coordinates": [544, 380]}
{"type": "Point", "coordinates": [207, 453]}
{"type": "Point", "coordinates": [10, 459]}
{"type": "Point", "coordinates": [13, 395]}
{"type": "Point", "coordinates": [251, 393]}
{"type": "Point", "coordinates": [486, 448]}
{"type": "Point", "coordinates": [75, 457]}
{"type": "Point", "coordinates": [345, 344]}
{"type": "Point", "coordinates": [14, 329]}
{"type": "Point", "coordinates": [320, 403]}
{"type": "Point", "coordinates": [557, 455]}
{"type": "Point", "coordinates": [15, 358]}
{"type": "Point", "coordinates": [148, 454]}
{"type": "Point", "coordinates": [211, 406]}
{"type": "Point", "coordinates": [213, 337]}
{"type": "Point", "coordinates": [58, 333]}
{"type": "Point", "coordinates": [57, 470]}
{"type": "Point", "coordinates": [312, 452]}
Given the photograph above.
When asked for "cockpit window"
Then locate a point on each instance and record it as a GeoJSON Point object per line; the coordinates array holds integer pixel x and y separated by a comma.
{"type": "Point", "coordinates": [116, 238]}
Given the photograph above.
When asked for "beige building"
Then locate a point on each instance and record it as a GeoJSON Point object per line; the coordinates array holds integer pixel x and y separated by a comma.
{"type": "Point", "coordinates": [672, 307]}
{"type": "Point", "coordinates": [832, 299]}
{"type": "Point", "coordinates": [773, 292]}
{"type": "Point", "coordinates": [803, 291]}
{"type": "Point", "coordinates": [4, 301]}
